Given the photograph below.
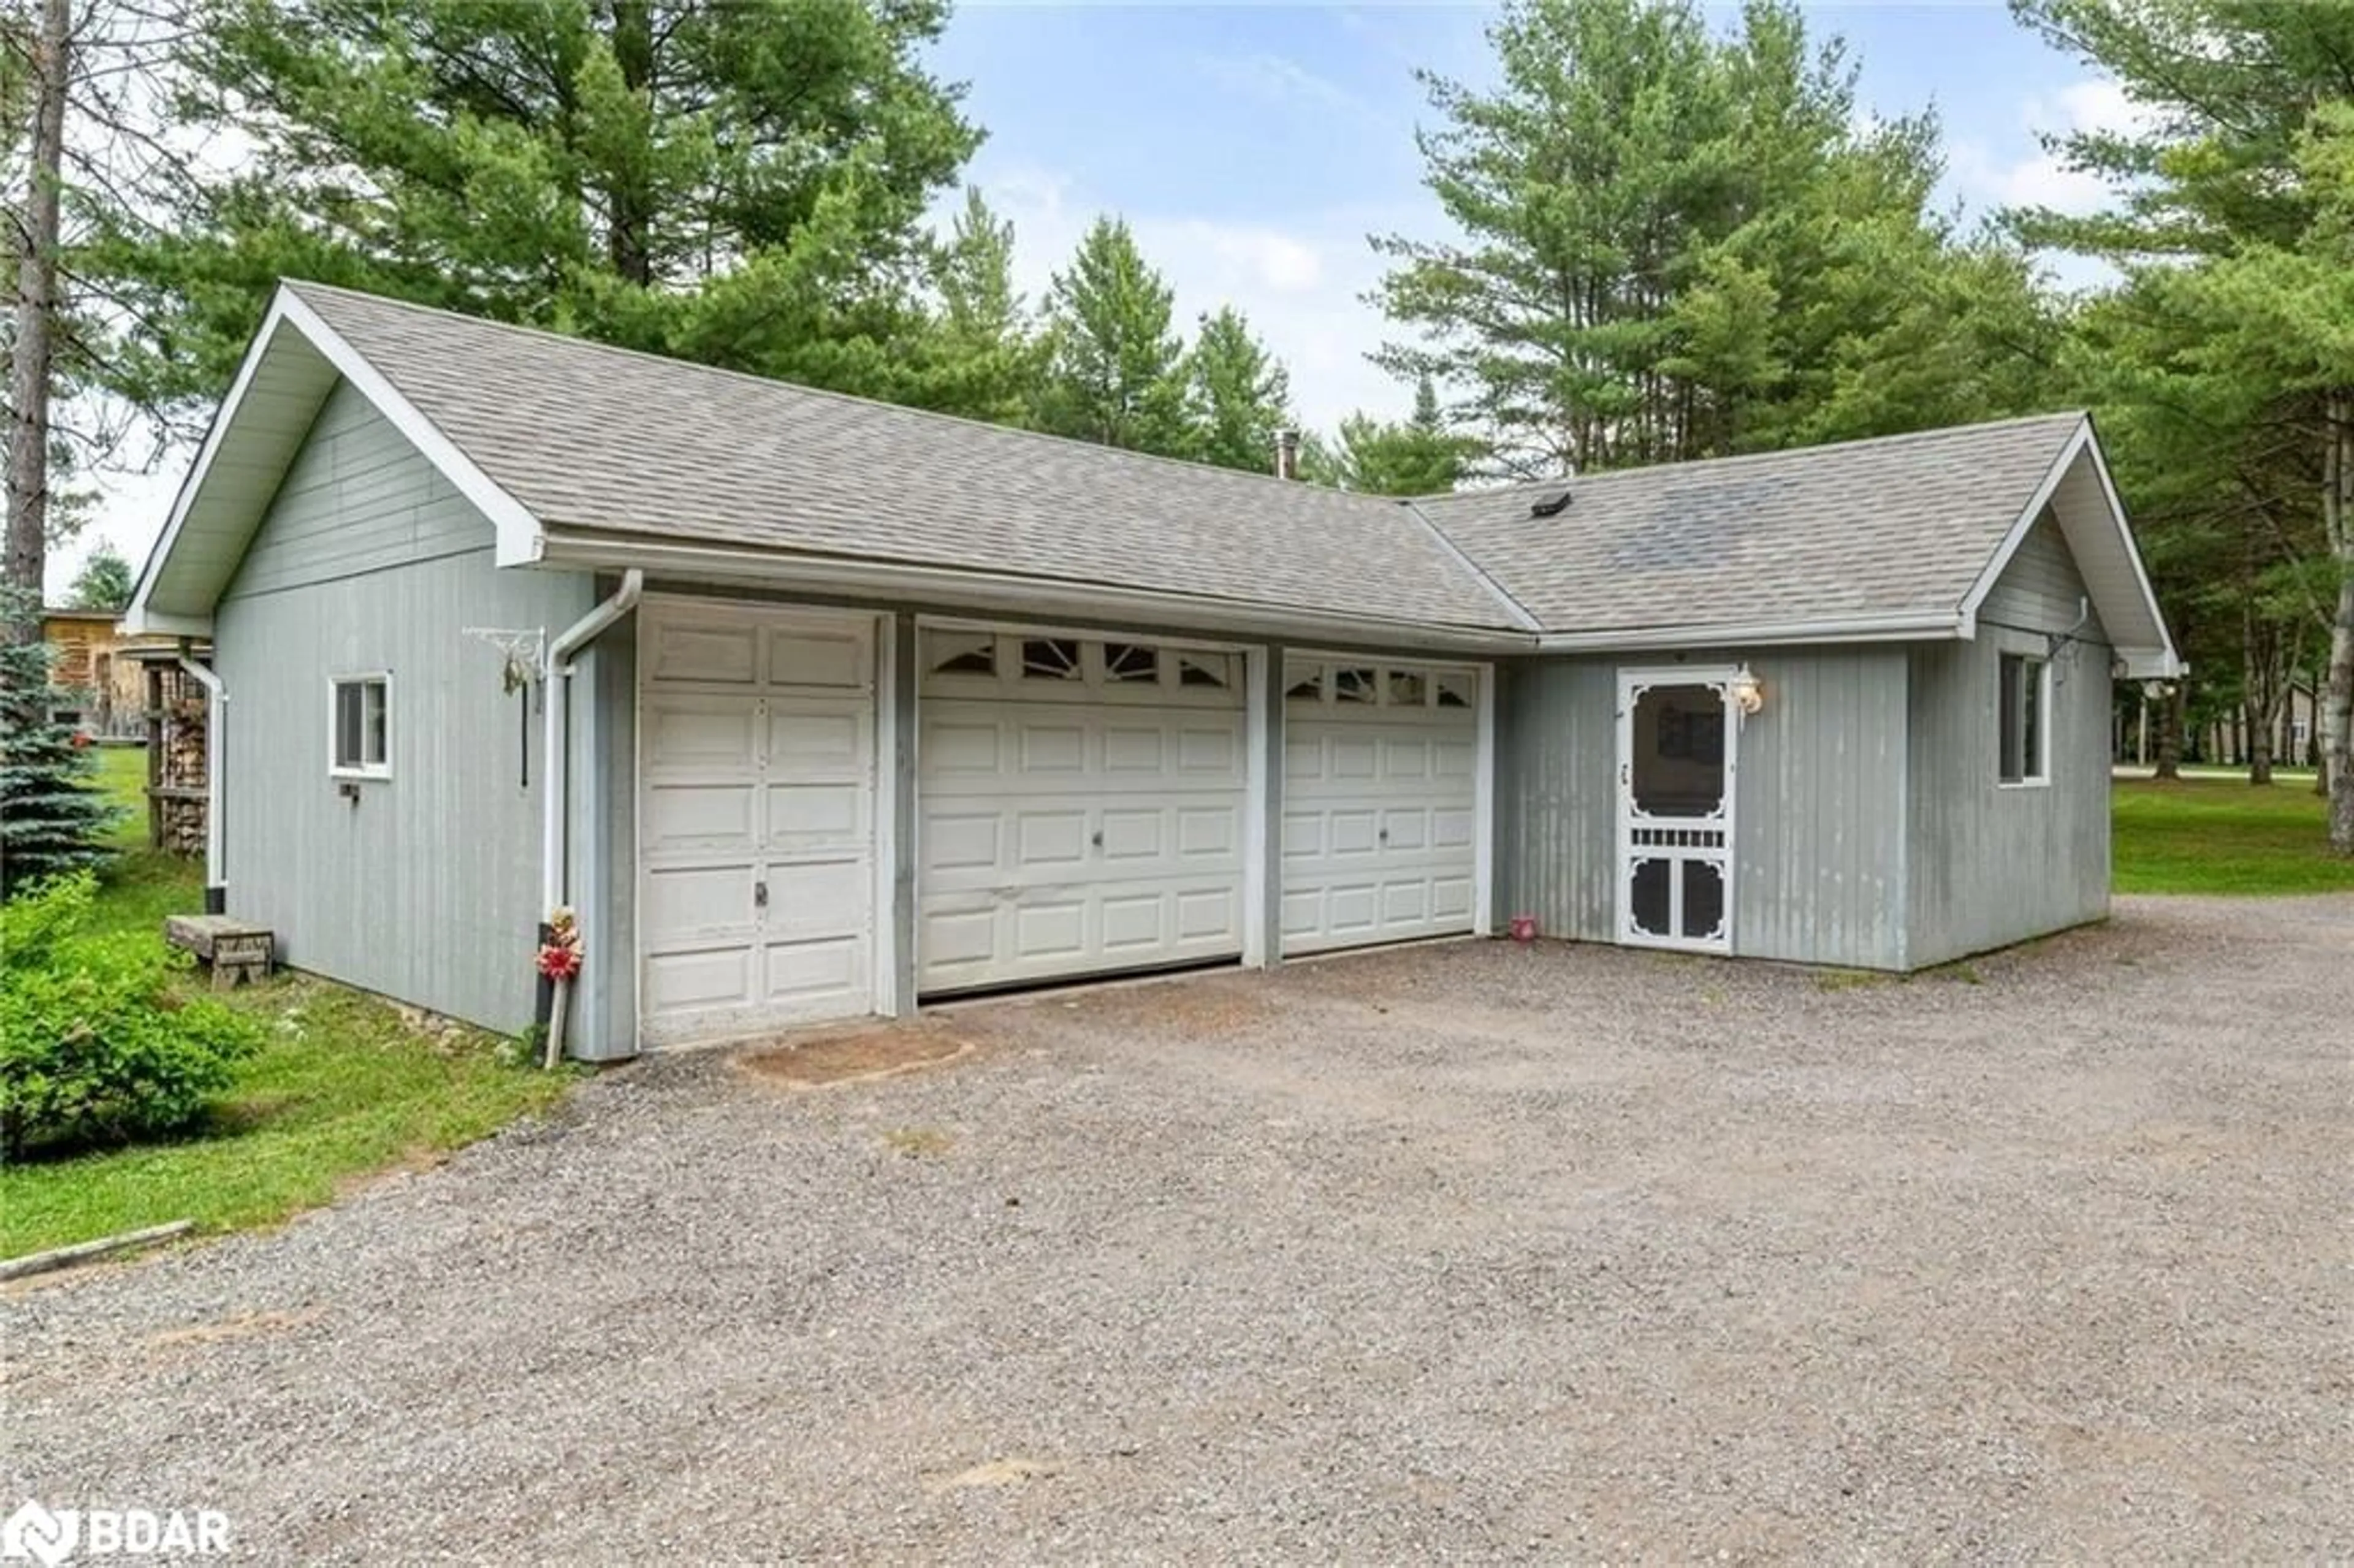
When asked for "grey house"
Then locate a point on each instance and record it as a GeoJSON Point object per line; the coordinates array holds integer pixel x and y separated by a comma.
{"type": "Point", "coordinates": [814, 708]}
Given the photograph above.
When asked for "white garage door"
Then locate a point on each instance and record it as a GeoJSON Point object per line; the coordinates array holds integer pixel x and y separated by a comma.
{"type": "Point", "coordinates": [756, 820]}
{"type": "Point", "coordinates": [1081, 807]}
{"type": "Point", "coordinates": [1380, 799]}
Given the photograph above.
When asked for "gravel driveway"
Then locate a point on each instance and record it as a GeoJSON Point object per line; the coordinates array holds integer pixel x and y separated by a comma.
{"type": "Point", "coordinates": [1464, 1251]}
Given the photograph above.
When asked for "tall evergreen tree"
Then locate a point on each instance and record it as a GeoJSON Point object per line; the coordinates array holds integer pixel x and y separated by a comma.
{"type": "Point", "coordinates": [2233, 218]}
{"type": "Point", "coordinates": [1116, 369]}
{"type": "Point", "coordinates": [738, 184]}
{"type": "Point", "coordinates": [52, 817]}
{"type": "Point", "coordinates": [104, 582]}
{"type": "Point", "coordinates": [1237, 394]}
{"type": "Point", "coordinates": [1413, 457]}
{"type": "Point", "coordinates": [1681, 246]}
{"type": "Point", "coordinates": [988, 356]}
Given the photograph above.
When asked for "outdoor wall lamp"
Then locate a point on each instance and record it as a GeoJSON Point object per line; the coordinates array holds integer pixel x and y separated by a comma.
{"type": "Point", "coordinates": [1748, 691]}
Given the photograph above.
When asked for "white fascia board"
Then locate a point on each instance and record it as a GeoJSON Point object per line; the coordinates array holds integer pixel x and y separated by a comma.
{"type": "Point", "coordinates": [2020, 526]}
{"type": "Point", "coordinates": [886, 582]}
{"type": "Point", "coordinates": [2166, 653]}
{"type": "Point", "coordinates": [1910, 627]}
{"type": "Point", "coordinates": [140, 621]}
{"type": "Point", "coordinates": [2151, 664]}
{"type": "Point", "coordinates": [520, 538]}
{"type": "Point", "coordinates": [2161, 662]}
{"type": "Point", "coordinates": [136, 617]}
{"type": "Point", "coordinates": [518, 533]}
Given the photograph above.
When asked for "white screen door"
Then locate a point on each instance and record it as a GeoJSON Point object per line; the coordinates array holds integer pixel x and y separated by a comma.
{"type": "Point", "coordinates": [1677, 739]}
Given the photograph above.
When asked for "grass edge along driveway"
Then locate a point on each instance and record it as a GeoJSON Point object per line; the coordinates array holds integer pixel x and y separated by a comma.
{"type": "Point", "coordinates": [345, 1086]}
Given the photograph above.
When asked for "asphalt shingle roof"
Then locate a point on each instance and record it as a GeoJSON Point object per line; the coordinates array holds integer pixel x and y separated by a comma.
{"type": "Point", "coordinates": [587, 436]}
{"type": "Point", "coordinates": [1890, 525]}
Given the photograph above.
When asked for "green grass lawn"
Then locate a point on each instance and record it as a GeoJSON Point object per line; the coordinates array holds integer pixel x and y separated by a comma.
{"type": "Point", "coordinates": [343, 1088]}
{"type": "Point", "coordinates": [2219, 835]}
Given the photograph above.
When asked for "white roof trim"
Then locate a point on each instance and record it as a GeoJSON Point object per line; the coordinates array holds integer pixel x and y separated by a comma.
{"type": "Point", "coordinates": [952, 588]}
{"type": "Point", "coordinates": [2143, 661]}
{"type": "Point", "coordinates": [1910, 627]}
{"type": "Point", "coordinates": [519, 536]}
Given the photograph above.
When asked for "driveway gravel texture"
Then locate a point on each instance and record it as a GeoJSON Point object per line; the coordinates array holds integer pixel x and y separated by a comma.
{"type": "Point", "coordinates": [1456, 1252]}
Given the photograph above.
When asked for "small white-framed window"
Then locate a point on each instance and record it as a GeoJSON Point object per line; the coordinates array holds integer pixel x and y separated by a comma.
{"type": "Point", "coordinates": [359, 726]}
{"type": "Point", "coordinates": [2023, 704]}
{"type": "Point", "coordinates": [1194, 669]}
{"type": "Point", "coordinates": [1307, 685]}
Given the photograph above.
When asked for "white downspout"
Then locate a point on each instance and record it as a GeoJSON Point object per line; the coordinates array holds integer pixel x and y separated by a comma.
{"type": "Point", "coordinates": [556, 712]}
{"type": "Point", "coordinates": [216, 751]}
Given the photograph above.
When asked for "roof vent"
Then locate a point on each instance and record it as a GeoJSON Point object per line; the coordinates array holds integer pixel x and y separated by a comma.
{"type": "Point", "coordinates": [1549, 506]}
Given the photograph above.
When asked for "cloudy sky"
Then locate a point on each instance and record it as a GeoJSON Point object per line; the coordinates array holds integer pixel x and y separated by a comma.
{"type": "Point", "coordinates": [1254, 148]}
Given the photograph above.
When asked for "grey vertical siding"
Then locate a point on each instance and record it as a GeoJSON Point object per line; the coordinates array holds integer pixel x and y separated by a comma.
{"type": "Point", "coordinates": [1820, 866]}
{"type": "Point", "coordinates": [426, 887]}
{"type": "Point", "coordinates": [1556, 766]}
{"type": "Point", "coordinates": [604, 839]}
{"type": "Point", "coordinates": [2041, 588]}
{"type": "Point", "coordinates": [1819, 852]}
{"type": "Point", "coordinates": [1991, 865]}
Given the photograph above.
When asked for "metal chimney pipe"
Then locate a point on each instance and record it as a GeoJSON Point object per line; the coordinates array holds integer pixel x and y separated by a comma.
{"type": "Point", "coordinates": [1286, 454]}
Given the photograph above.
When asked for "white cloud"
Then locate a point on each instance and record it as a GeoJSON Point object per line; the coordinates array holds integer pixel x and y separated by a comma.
{"type": "Point", "coordinates": [1271, 79]}
{"type": "Point", "coordinates": [2042, 178]}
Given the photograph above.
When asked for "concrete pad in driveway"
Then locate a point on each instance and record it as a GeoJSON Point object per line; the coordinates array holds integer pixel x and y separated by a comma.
{"type": "Point", "coordinates": [1466, 1250]}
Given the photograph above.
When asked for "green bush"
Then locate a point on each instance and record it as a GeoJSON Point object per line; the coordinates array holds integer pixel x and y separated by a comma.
{"type": "Point", "coordinates": [97, 1043]}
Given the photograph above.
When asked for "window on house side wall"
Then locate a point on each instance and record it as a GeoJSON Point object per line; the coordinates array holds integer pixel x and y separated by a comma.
{"type": "Point", "coordinates": [2021, 702]}
{"type": "Point", "coordinates": [362, 727]}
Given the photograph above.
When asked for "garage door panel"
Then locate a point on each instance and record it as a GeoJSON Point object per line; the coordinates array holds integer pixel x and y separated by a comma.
{"type": "Point", "coordinates": [756, 819]}
{"type": "Point", "coordinates": [818, 816]}
{"type": "Point", "coordinates": [696, 737]}
{"type": "Point", "coordinates": [1050, 932]}
{"type": "Point", "coordinates": [798, 658]}
{"type": "Point", "coordinates": [1086, 835]}
{"type": "Point", "coordinates": [1134, 834]}
{"type": "Point", "coordinates": [695, 905]}
{"type": "Point", "coordinates": [681, 817]}
{"type": "Point", "coordinates": [1056, 750]}
{"type": "Point", "coordinates": [687, 981]}
{"type": "Point", "coordinates": [1379, 807]}
{"type": "Point", "coordinates": [806, 898]}
{"type": "Point", "coordinates": [1128, 749]}
{"type": "Point", "coordinates": [828, 972]}
{"type": "Point", "coordinates": [719, 654]}
{"type": "Point", "coordinates": [1211, 833]}
{"type": "Point", "coordinates": [1050, 841]}
{"type": "Point", "coordinates": [951, 748]}
{"type": "Point", "coordinates": [812, 741]}
{"type": "Point", "coordinates": [1134, 921]}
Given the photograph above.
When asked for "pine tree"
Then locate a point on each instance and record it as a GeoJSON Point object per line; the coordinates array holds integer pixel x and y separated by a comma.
{"type": "Point", "coordinates": [52, 817]}
{"type": "Point", "coordinates": [739, 184]}
{"type": "Point", "coordinates": [1114, 372]}
{"type": "Point", "coordinates": [2233, 216]}
{"type": "Point", "coordinates": [1237, 394]}
{"type": "Point", "coordinates": [1414, 457]}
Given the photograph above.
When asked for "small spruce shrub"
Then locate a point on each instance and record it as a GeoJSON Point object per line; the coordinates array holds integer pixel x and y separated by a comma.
{"type": "Point", "coordinates": [98, 1045]}
{"type": "Point", "coordinates": [53, 818]}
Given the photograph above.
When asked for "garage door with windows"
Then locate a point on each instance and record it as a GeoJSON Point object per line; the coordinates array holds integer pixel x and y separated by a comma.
{"type": "Point", "coordinates": [1380, 802]}
{"type": "Point", "coordinates": [756, 820]}
{"type": "Point", "coordinates": [1080, 805]}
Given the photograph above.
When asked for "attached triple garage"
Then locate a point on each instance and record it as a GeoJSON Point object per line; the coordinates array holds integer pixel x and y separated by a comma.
{"type": "Point", "coordinates": [1080, 803]}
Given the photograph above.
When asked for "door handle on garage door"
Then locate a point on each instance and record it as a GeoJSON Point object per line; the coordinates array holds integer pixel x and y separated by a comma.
{"type": "Point", "coordinates": [1097, 838]}
{"type": "Point", "coordinates": [760, 895]}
